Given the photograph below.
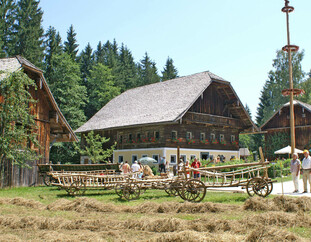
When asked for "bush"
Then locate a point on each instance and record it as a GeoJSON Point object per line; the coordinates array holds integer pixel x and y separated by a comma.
{"type": "Point", "coordinates": [154, 170]}
{"type": "Point", "coordinates": [276, 168]}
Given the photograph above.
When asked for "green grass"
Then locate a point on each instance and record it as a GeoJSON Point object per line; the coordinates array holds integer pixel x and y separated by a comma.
{"type": "Point", "coordinates": [301, 231]}
{"type": "Point", "coordinates": [285, 178]}
{"type": "Point", "coordinates": [48, 195]}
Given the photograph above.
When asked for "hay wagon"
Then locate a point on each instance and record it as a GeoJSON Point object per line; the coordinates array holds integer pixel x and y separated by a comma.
{"type": "Point", "coordinates": [129, 186]}
{"type": "Point", "coordinates": [252, 176]}
{"type": "Point", "coordinates": [46, 170]}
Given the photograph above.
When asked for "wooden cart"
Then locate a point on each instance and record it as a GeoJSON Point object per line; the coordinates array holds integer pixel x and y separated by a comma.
{"type": "Point", "coordinates": [252, 176]}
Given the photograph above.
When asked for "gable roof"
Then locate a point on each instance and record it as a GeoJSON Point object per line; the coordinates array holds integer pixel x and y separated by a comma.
{"type": "Point", "coordinates": [162, 102]}
{"type": "Point", "coordinates": [16, 63]}
{"type": "Point", "coordinates": [296, 102]}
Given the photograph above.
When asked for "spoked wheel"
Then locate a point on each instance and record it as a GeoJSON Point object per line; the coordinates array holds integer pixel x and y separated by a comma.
{"type": "Point", "coordinates": [119, 189]}
{"type": "Point", "coordinates": [257, 186]}
{"type": "Point", "coordinates": [76, 188]}
{"type": "Point", "coordinates": [270, 184]}
{"type": "Point", "coordinates": [173, 188]}
{"type": "Point", "coordinates": [131, 191]}
{"type": "Point", "coordinates": [193, 190]}
{"type": "Point", "coordinates": [47, 180]}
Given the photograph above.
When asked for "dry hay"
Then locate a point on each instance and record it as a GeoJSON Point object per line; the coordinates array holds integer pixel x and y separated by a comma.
{"type": "Point", "coordinates": [280, 219]}
{"type": "Point", "coordinates": [192, 236]}
{"type": "Point", "coordinates": [147, 171]}
{"type": "Point", "coordinates": [82, 205]}
{"type": "Point", "coordinates": [279, 203]}
{"type": "Point", "coordinates": [19, 201]}
{"type": "Point", "coordinates": [263, 233]}
{"type": "Point", "coordinates": [9, 237]}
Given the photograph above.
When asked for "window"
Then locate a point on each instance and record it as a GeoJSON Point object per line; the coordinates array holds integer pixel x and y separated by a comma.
{"type": "Point", "coordinates": [189, 135]}
{"type": "Point", "coordinates": [130, 137]}
{"type": "Point", "coordinates": [156, 157]}
{"type": "Point", "coordinates": [221, 138]}
{"type": "Point", "coordinates": [144, 156]}
{"type": "Point", "coordinates": [120, 139]}
{"type": "Point", "coordinates": [120, 158]}
{"type": "Point", "coordinates": [192, 157]}
{"type": "Point", "coordinates": [232, 138]}
{"type": "Point", "coordinates": [148, 135]}
{"type": "Point", "coordinates": [213, 137]}
{"type": "Point", "coordinates": [157, 134]}
{"type": "Point", "coordinates": [138, 136]}
{"type": "Point", "coordinates": [174, 134]}
{"type": "Point", "coordinates": [202, 136]}
{"type": "Point", "coordinates": [134, 158]}
{"type": "Point", "coordinates": [173, 159]}
{"type": "Point", "coordinates": [184, 158]}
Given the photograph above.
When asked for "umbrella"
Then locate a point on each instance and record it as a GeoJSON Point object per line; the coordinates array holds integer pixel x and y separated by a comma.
{"type": "Point", "coordinates": [287, 150]}
{"type": "Point", "coordinates": [147, 160]}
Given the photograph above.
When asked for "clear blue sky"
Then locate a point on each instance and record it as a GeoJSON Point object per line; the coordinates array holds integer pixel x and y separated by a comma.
{"type": "Point", "coordinates": [236, 40]}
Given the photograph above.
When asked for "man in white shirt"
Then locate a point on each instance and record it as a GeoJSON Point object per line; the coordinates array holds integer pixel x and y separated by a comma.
{"type": "Point", "coordinates": [135, 167]}
{"type": "Point", "coordinates": [306, 171]}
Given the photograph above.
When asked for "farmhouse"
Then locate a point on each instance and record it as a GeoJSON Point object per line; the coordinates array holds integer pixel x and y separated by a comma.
{"type": "Point", "coordinates": [200, 113]}
{"type": "Point", "coordinates": [52, 125]}
{"type": "Point", "coordinates": [279, 123]}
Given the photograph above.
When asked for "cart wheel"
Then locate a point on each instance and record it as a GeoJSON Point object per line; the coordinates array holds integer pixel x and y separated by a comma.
{"type": "Point", "coordinates": [77, 188]}
{"type": "Point", "coordinates": [193, 190]}
{"type": "Point", "coordinates": [270, 184]}
{"type": "Point", "coordinates": [119, 189]}
{"type": "Point", "coordinates": [47, 180]}
{"type": "Point", "coordinates": [257, 186]}
{"type": "Point", "coordinates": [131, 191]}
{"type": "Point", "coordinates": [173, 188]}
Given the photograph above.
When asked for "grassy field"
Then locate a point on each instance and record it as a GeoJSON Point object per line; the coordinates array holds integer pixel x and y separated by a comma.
{"type": "Point", "coordinates": [46, 213]}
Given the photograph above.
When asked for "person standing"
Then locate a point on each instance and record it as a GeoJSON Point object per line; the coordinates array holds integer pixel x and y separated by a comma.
{"type": "Point", "coordinates": [135, 167]}
{"type": "Point", "coordinates": [162, 165]}
{"type": "Point", "coordinates": [306, 171]}
{"type": "Point", "coordinates": [126, 168]}
{"type": "Point", "coordinates": [196, 165]}
{"type": "Point", "coordinates": [295, 170]}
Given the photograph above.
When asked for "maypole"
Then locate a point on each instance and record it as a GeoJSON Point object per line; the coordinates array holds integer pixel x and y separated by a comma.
{"type": "Point", "coordinates": [291, 91]}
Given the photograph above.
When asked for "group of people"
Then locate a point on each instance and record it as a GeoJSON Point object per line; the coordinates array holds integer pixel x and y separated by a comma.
{"type": "Point", "coordinates": [136, 168]}
{"type": "Point", "coordinates": [305, 166]}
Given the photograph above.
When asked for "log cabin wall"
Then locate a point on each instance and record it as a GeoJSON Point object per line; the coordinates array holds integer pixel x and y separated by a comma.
{"type": "Point", "coordinates": [282, 119]}
{"type": "Point", "coordinates": [161, 136]}
{"type": "Point", "coordinates": [211, 102]}
{"type": "Point", "coordinates": [281, 123]}
{"type": "Point", "coordinates": [26, 176]}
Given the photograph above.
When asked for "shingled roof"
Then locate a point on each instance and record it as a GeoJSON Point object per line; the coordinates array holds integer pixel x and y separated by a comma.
{"type": "Point", "coordinates": [158, 103]}
{"type": "Point", "coordinates": [18, 62]}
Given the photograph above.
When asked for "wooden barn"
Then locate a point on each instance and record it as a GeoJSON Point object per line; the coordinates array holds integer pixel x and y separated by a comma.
{"type": "Point", "coordinates": [52, 125]}
{"type": "Point", "coordinates": [280, 123]}
{"type": "Point", "coordinates": [200, 113]}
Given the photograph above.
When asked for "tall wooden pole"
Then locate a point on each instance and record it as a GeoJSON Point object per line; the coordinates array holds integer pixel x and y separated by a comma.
{"type": "Point", "coordinates": [289, 48]}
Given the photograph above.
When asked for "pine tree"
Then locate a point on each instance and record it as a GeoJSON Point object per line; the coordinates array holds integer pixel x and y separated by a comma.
{"type": "Point", "coordinates": [29, 32]}
{"type": "Point", "coordinates": [101, 89]}
{"type": "Point", "coordinates": [66, 85]}
{"type": "Point", "coordinates": [70, 45]}
{"type": "Point", "coordinates": [127, 75]}
{"type": "Point", "coordinates": [86, 60]}
{"type": "Point", "coordinates": [248, 110]}
{"type": "Point", "coordinates": [7, 19]}
{"type": "Point", "coordinates": [278, 79]}
{"type": "Point", "coordinates": [53, 47]}
{"type": "Point", "coordinates": [169, 72]}
{"type": "Point", "coordinates": [99, 53]}
{"type": "Point", "coordinates": [111, 56]}
{"type": "Point", "coordinates": [148, 71]}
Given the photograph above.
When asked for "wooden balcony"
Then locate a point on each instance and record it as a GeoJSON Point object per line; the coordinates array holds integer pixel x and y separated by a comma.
{"type": "Point", "coordinates": [212, 120]}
